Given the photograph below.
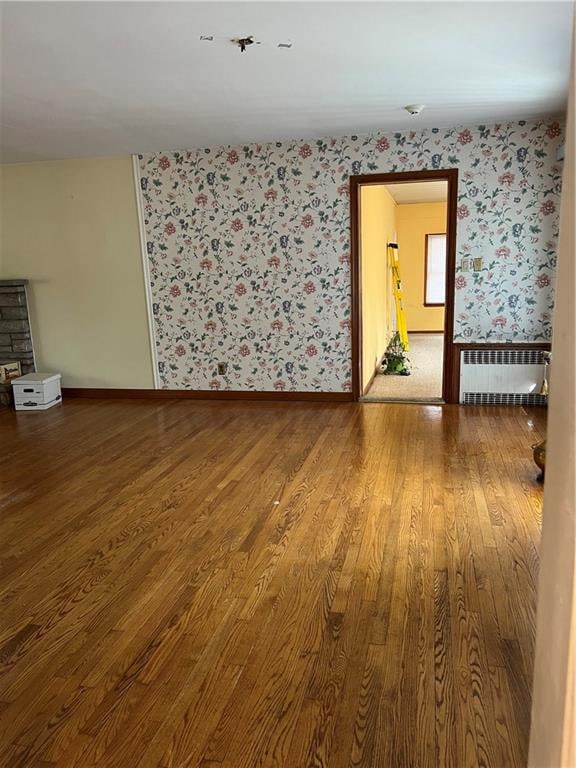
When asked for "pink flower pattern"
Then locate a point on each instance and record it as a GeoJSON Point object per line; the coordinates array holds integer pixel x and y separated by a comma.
{"type": "Point", "coordinates": [506, 179]}
{"type": "Point", "coordinates": [309, 287]}
{"type": "Point", "coordinates": [382, 144]}
{"type": "Point", "coordinates": [242, 231]}
{"type": "Point", "coordinates": [554, 130]}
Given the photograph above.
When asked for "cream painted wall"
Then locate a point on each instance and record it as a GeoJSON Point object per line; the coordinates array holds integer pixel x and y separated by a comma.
{"type": "Point", "coordinates": [377, 228]}
{"type": "Point", "coordinates": [71, 228]}
{"type": "Point", "coordinates": [1, 219]}
{"type": "Point", "coordinates": [415, 221]}
{"type": "Point", "coordinates": [552, 736]}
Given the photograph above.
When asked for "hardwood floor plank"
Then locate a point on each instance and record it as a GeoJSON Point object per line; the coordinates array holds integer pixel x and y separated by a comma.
{"type": "Point", "coordinates": [189, 584]}
{"type": "Point", "coordinates": [445, 705]}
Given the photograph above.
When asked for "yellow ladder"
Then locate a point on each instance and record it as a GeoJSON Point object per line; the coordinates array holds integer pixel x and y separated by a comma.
{"type": "Point", "coordinates": [398, 295]}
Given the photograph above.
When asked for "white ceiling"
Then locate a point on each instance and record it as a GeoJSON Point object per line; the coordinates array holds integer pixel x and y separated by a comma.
{"type": "Point", "coordinates": [419, 192]}
{"type": "Point", "coordinates": [87, 78]}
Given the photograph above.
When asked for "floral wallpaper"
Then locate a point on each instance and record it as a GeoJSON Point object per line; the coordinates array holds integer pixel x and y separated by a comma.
{"type": "Point", "coordinates": [249, 248]}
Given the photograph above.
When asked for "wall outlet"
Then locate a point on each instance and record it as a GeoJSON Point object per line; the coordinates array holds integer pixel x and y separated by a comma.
{"type": "Point", "coordinates": [465, 265]}
{"type": "Point", "coordinates": [222, 369]}
{"type": "Point", "coordinates": [477, 263]}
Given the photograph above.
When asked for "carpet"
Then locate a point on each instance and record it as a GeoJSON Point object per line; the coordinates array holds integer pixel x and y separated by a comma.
{"type": "Point", "coordinates": [425, 380]}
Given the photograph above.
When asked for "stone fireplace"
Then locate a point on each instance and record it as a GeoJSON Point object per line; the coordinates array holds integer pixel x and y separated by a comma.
{"type": "Point", "coordinates": [15, 334]}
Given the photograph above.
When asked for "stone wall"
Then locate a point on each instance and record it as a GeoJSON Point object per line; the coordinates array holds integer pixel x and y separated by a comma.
{"type": "Point", "coordinates": [15, 335]}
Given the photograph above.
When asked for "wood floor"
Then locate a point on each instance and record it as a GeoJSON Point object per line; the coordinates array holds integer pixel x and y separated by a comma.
{"type": "Point", "coordinates": [233, 585]}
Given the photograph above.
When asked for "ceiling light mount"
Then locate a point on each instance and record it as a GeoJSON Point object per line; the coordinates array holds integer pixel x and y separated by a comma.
{"type": "Point", "coordinates": [414, 109]}
{"type": "Point", "coordinates": [244, 42]}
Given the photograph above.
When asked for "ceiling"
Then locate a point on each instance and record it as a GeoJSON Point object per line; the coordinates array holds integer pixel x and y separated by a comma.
{"type": "Point", "coordinates": [419, 192]}
{"type": "Point", "coordinates": [91, 78]}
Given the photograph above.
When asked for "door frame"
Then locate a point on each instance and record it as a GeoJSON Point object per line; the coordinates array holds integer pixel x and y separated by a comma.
{"type": "Point", "coordinates": [449, 385]}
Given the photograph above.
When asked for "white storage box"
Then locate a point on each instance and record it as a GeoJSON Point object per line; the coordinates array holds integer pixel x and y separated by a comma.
{"type": "Point", "coordinates": [36, 391]}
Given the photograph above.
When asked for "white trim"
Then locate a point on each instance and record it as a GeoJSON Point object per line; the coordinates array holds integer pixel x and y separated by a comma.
{"type": "Point", "coordinates": [145, 271]}
{"type": "Point", "coordinates": [31, 332]}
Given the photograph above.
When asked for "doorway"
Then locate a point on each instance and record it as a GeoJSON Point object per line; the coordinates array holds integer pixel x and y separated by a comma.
{"type": "Point", "coordinates": [403, 237]}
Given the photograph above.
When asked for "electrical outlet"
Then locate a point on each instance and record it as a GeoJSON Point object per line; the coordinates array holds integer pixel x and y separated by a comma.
{"type": "Point", "coordinates": [477, 263]}
{"type": "Point", "coordinates": [222, 369]}
{"type": "Point", "coordinates": [465, 265]}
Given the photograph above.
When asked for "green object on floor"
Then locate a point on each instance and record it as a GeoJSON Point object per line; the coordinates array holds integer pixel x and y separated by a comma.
{"type": "Point", "coordinates": [395, 360]}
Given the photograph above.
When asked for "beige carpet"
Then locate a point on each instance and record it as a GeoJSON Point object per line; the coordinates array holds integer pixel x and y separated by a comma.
{"type": "Point", "coordinates": [425, 380]}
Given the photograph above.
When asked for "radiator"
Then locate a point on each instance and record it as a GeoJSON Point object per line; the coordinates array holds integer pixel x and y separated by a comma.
{"type": "Point", "coordinates": [502, 376]}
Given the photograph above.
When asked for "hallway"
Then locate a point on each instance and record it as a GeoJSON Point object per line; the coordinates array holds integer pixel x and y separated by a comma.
{"type": "Point", "coordinates": [425, 380]}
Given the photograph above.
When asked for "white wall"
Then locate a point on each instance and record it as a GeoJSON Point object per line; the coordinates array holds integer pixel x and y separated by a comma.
{"type": "Point", "coordinates": [552, 740]}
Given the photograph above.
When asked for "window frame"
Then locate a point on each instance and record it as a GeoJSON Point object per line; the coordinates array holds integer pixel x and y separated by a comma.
{"type": "Point", "coordinates": [428, 303]}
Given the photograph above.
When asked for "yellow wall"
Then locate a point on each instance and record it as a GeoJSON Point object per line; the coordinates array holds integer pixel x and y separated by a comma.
{"type": "Point", "coordinates": [415, 221]}
{"type": "Point", "coordinates": [377, 228]}
{"type": "Point", "coordinates": [71, 228]}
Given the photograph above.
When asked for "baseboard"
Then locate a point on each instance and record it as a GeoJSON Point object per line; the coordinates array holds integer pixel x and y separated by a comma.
{"type": "Point", "coordinates": [207, 394]}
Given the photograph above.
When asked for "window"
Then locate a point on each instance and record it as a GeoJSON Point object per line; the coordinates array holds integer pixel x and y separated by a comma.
{"type": "Point", "coordinates": [435, 270]}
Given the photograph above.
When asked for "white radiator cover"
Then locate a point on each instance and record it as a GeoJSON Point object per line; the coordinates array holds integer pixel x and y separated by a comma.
{"type": "Point", "coordinates": [502, 376]}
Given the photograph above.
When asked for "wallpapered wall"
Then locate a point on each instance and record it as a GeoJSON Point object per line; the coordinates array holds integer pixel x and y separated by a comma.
{"type": "Point", "coordinates": [249, 248]}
